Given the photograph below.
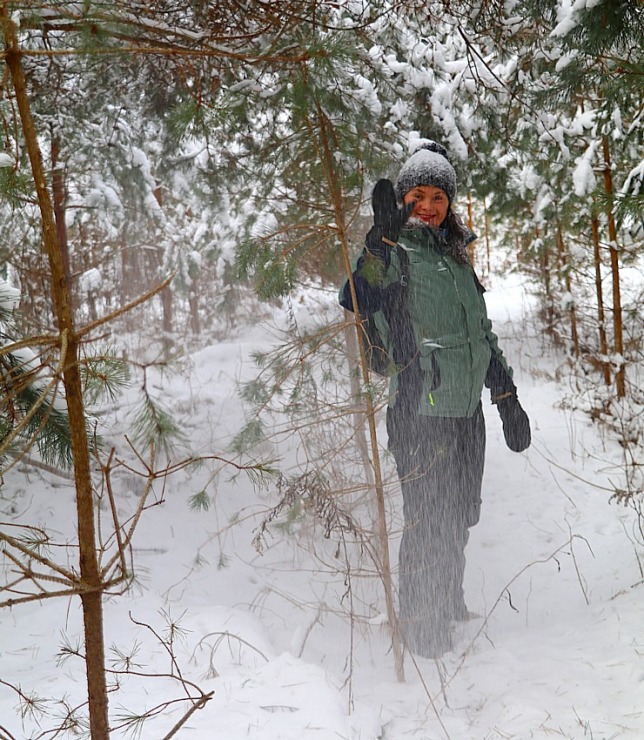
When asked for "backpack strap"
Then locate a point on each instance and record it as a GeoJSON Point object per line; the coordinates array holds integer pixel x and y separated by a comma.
{"type": "Point", "coordinates": [403, 259]}
{"type": "Point", "coordinates": [396, 313]}
{"type": "Point", "coordinates": [402, 340]}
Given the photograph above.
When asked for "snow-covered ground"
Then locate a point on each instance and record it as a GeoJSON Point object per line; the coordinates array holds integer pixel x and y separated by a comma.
{"type": "Point", "coordinates": [553, 570]}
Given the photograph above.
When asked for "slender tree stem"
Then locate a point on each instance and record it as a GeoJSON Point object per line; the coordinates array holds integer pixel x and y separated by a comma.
{"type": "Point", "coordinates": [565, 270]}
{"type": "Point", "coordinates": [90, 585]}
{"type": "Point", "coordinates": [385, 564]}
{"type": "Point", "coordinates": [599, 291]}
{"type": "Point", "coordinates": [620, 375]}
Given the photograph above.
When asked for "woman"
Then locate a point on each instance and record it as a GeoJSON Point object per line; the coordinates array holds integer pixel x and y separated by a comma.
{"type": "Point", "coordinates": [444, 351]}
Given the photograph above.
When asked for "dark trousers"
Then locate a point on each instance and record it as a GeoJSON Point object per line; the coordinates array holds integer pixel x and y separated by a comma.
{"type": "Point", "coordinates": [440, 466]}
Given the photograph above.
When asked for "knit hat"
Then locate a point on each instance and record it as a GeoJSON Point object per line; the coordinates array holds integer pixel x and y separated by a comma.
{"type": "Point", "coordinates": [428, 165]}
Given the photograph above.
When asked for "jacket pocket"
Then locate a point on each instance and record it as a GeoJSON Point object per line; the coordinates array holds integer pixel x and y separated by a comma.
{"type": "Point", "coordinates": [431, 370]}
{"type": "Point", "coordinates": [442, 360]}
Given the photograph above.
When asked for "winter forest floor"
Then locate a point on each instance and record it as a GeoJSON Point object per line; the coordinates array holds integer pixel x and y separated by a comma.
{"type": "Point", "coordinates": [553, 569]}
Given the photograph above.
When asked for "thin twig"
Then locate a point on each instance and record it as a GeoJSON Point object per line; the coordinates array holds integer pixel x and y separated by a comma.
{"type": "Point", "coordinates": [222, 635]}
{"type": "Point", "coordinates": [16, 544]}
{"type": "Point", "coordinates": [504, 590]}
{"type": "Point", "coordinates": [130, 533]}
{"type": "Point", "coordinates": [117, 527]}
{"type": "Point", "coordinates": [199, 705]}
{"type": "Point", "coordinates": [170, 652]}
{"type": "Point", "coordinates": [47, 392]}
{"type": "Point", "coordinates": [26, 460]}
{"type": "Point", "coordinates": [574, 560]}
{"type": "Point", "coordinates": [124, 309]}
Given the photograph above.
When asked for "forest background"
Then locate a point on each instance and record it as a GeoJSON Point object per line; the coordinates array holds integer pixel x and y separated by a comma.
{"type": "Point", "coordinates": [171, 171]}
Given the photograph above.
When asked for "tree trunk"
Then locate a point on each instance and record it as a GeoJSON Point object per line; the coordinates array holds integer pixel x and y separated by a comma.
{"type": "Point", "coordinates": [193, 302]}
{"type": "Point", "coordinates": [599, 290]}
{"type": "Point", "coordinates": [167, 303]}
{"type": "Point", "coordinates": [565, 267]}
{"type": "Point", "coordinates": [618, 328]}
{"type": "Point", "coordinates": [322, 133]}
{"type": "Point", "coordinates": [59, 205]}
{"type": "Point", "coordinates": [470, 220]}
{"type": "Point", "coordinates": [359, 416]}
{"type": "Point", "coordinates": [89, 585]}
{"type": "Point", "coordinates": [545, 269]}
{"type": "Point", "coordinates": [487, 236]}
{"type": "Point", "coordinates": [131, 279]}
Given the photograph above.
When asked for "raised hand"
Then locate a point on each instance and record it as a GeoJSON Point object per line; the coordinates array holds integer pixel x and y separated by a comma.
{"type": "Point", "coordinates": [388, 220]}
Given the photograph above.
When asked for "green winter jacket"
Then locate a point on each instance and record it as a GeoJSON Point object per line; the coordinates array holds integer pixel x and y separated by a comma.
{"type": "Point", "coordinates": [449, 317]}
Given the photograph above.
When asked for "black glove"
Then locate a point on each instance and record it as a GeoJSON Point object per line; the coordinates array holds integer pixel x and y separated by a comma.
{"type": "Point", "coordinates": [388, 221]}
{"type": "Point", "coordinates": [516, 425]}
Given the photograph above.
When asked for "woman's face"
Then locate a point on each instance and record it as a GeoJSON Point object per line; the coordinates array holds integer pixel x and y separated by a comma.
{"type": "Point", "coordinates": [430, 204]}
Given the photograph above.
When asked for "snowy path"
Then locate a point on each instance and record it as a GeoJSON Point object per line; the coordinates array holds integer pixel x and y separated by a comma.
{"type": "Point", "coordinates": [550, 567]}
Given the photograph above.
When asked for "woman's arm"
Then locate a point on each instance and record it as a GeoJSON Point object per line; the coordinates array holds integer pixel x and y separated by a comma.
{"type": "Point", "coordinates": [368, 278]}
{"type": "Point", "coordinates": [373, 264]}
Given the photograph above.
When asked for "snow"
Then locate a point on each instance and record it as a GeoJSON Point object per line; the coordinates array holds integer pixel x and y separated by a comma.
{"type": "Point", "coordinates": [9, 297]}
{"type": "Point", "coordinates": [367, 94]}
{"type": "Point", "coordinates": [568, 15]}
{"type": "Point", "coordinates": [635, 176]}
{"type": "Point", "coordinates": [90, 280]}
{"type": "Point", "coordinates": [6, 160]}
{"type": "Point", "coordinates": [394, 65]}
{"type": "Point", "coordinates": [529, 179]}
{"type": "Point", "coordinates": [552, 570]}
{"type": "Point", "coordinates": [542, 202]}
{"type": "Point", "coordinates": [585, 120]}
{"type": "Point", "coordinates": [441, 103]}
{"type": "Point", "coordinates": [103, 195]}
{"type": "Point", "coordinates": [566, 18]}
{"type": "Point", "coordinates": [583, 176]}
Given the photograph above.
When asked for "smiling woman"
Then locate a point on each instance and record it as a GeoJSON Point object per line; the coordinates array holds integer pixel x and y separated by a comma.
{"type": "Point", "coordinates": [430, 204]}
{"type": "Point", "coordinates": [443, 352]}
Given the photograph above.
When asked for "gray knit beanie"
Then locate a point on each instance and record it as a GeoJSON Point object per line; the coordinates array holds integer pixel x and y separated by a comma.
{"type": "Point", "coordinates": [428, 165]}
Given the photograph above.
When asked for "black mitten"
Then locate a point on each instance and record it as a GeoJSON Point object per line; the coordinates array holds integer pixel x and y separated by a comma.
{"type": "Point", "coordinates": [516, 425]}
{"type": "Point", "coordinates": [388, 220]}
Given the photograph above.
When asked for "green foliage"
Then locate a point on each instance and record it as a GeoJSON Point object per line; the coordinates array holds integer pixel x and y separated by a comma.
{"type": "Point", "coordinates": [31, 414]}
{"type": "Point", "coordinates": [628, 208]}
{"type": "Point", "coordinates": [32, 705]}
{"type": "Point", "coordinates": [70, 648]}
{"type": "Point", "coordinates": [256, 392]}
{"type": "Point", "coordinates": [290, 376]}
{"type": "Point", "coordinates": [200, 501]}
{"type": "Point", "coordinates": [261, 473]}
{"type": "Point", "coordinates": [373, 269]}
{"type": "Point", "coordinates": [35, 539]}
{"type": "Point", "coordinates": [50, 427]}
{"type": "Point", "coordinates": [293, 516]}
{"type": "Point", "coordinates": [302, 496]}
{"type": "Point", "coordinates": [610, 28]}
{"type": "Point", "coordinates": [154, 426]}
{"type": "Point", "coordinates": [187, 119]}
{"type": "Point", "coordinates": [125, 660]}
{"type": "Point", "coordinates": [133, 723]}
{"type": "Point", "coordinates": [274, 273]}
{"type": "Point", "coordinates": [269, 153]}
{"type": "Point", "coordinates": [308, 132]}
{"type": "Point", "coordinates": [14, 185]}
{"type": "Point", "coordinates": [104, 375]}
{"type": "Point", "coordinates": [251, 434]}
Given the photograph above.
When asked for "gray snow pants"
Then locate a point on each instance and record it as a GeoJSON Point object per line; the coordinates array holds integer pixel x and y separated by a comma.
{"type": "Point", "coordinates": [440, 467]}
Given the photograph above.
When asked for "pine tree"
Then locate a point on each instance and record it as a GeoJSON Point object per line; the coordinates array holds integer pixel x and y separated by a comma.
{"type": "Point", "coordinates": [33, 410]}
{"type": "Point", "coordinates": [66, 142]}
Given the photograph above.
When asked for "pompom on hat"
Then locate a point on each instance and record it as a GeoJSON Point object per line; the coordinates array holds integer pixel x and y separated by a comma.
{"type": "Point", "coordinates": [428, 165]}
